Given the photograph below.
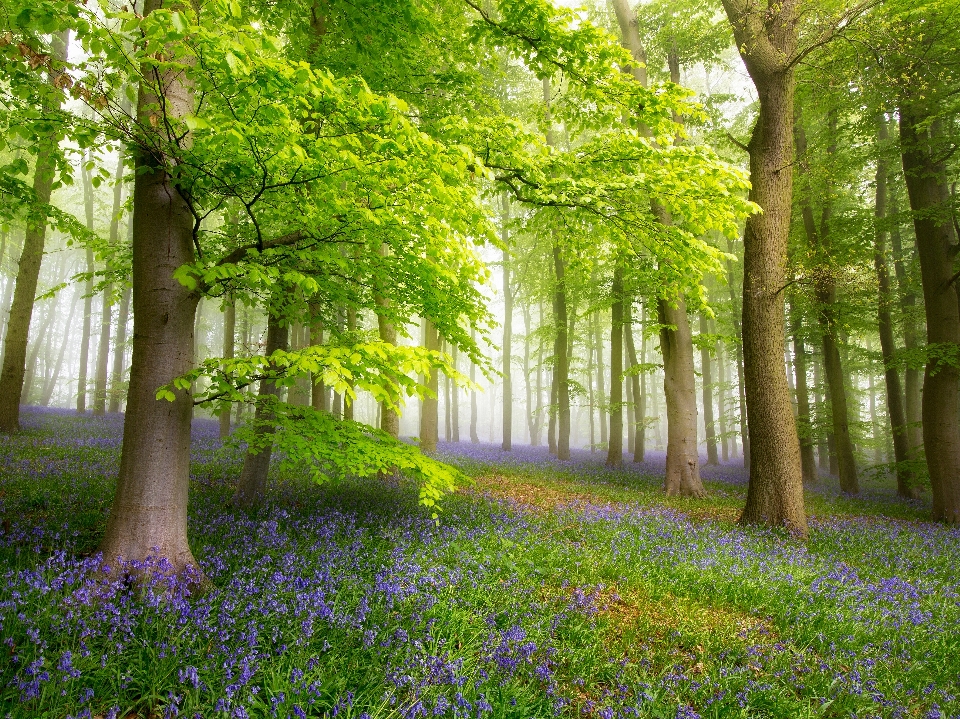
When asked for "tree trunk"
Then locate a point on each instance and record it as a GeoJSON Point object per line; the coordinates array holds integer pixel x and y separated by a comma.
{"type": "Point", "coordinates": [252, 486]}
{"type": "Point", "coordinates": [906, 483]}
{"type": "Point", "coordinates": [925, 174]}
{"type": "Point", "coordinates": [722, 401]}
{"type": "Point", "coordinates": [119, 352]}
{"type": "Point", "coordinates": [229, 340]}
{"type": "Point", "coordinates": [352, 329]}
{"type": "Point", "coordinates": [628, 390]}
{"type": "Point", "coordinates": [680, 391]}
{"type": "Point", "coordinates": [741, 386]}
{"type": "Point", "coordinates": [30, 368]}
{"type": "Point", "coordinates": [507, 443]}
{"type": "Point", "coordinates": [389, 418]}
{"type": "Point", "coordinates": [561, 366]}
{"type": "Point", "coordinates": [106, 308]}
{"type": "Point", "coordinates": [634, 380]}
{"type": "Point", "coordinates": [474, 437]}
{"type": "Point", "coordinates": [767, 40]}
{"type": "Point", "coordinates": [908, 303]}
{"type": "Point", "coordinates": [615, 447]}
{"type": "Point", "coordinates": [708, 429]}
{"type": "Point", "coordinates": [591, 399]}
{"type": "Point", "coordinates": [804, 427]}
{"type": "Point", "coordinates": [148, 517]}
{"type": "Point", "coordinates": [88, 294]}
{"type": "Point", "coordinates": [639, 446]}
{"type": "Point", "coordinates": [447, 413]}
{"type": "Point", "coordinates": [601, 389]}
{"type": "Point", "coordinates": [319, 399]}
{"type": "Point", "coordinates": [528, 389]}
{"type": "Point", "coordinates": [552, 424]}
{"type": "Point", "coordinates": [28, 274]}
{"type": "Point", "coordinates": [429, 420]}
{"type": "Point", "coordinates": [455, 400]}
{"type": "Point", "coordinates": [825, 291]}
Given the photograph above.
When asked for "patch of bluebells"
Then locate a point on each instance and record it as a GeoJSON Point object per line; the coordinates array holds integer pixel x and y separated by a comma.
{"type": "Point", "coordinates": [350, 601]}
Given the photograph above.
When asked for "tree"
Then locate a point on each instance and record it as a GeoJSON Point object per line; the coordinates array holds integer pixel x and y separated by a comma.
{"type": "Point", "coordinates": [766, 36]}
{"type": "Point", "coordinates": [28, 269]}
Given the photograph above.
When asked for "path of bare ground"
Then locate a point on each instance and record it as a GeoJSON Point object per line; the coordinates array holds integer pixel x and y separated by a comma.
{"type": "Point", "coordinates": [531, 476]}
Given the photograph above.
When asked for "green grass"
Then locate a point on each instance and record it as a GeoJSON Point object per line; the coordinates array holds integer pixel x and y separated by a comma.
{"type": "Point", "coordinates": [543, 591]}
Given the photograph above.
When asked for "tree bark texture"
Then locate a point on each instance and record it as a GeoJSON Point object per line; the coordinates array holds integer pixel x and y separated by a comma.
{"type": "Point", "coordinates": [925, 174]}
{"type": "Point", "coordinates": [767, 37]}
{"type": "Point", "coordinates": [28, 274]}
{"type": "Point", "coordinates": [148, 516]}
{"type": "Point", "coordinates": [680, 391]}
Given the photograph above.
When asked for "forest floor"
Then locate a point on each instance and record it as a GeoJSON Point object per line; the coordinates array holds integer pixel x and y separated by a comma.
{"type": "Point", "coordinates": [546, 589]}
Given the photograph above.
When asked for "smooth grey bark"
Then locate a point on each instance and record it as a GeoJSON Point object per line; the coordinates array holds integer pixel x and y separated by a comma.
{"type": "Point", "coordinates": [615, 445]}
{"type": "Point", "coordinates": [229, 343]}
{"type": "Point", "coordinates": [251, 488]}
{"type": "Point", "coordinates": [28, 273]}
{"type": "Point", "coordinates": [507, 418]}
{"type": "Point", "coordinates": [148, 517]}
{"type": "Point", "coordinates": [709, 430]}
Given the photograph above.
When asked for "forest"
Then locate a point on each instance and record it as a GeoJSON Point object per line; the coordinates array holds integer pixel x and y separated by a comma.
{"type": "Point", "coordinates": [479, 358]}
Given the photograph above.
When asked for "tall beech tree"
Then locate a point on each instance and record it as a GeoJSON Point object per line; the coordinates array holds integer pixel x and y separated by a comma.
{"type": "Point", "coordinates": [928, 77]}
{"type": "Point", "coordinates": [17, 327]}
